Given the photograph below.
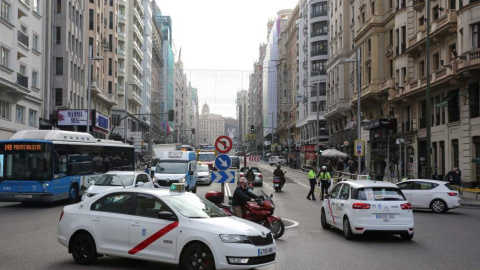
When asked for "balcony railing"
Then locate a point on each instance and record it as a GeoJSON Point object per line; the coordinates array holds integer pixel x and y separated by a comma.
{"type": "Point", "coordinates": [22, 38]}
{"type": "Point", "coordinates": [22, 80]}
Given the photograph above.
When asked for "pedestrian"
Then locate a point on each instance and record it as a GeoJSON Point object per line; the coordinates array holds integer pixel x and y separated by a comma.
{"type": "Point", "coordinates": [457, 179]}
{"type": "Point", "coordinates": [324, 177]}
{"type": "Point", "coordinates": [313, 182]}
{"type": "Point", "coordinates": [392, 168]}
{"type": "Point", "coordinates": [451, 175]}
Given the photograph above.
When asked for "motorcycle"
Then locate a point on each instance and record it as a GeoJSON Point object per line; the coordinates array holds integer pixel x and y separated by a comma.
{"type": "Point", "coordinates": [260, 211]}
{"type": "Point", "coordinates": [277, 183]}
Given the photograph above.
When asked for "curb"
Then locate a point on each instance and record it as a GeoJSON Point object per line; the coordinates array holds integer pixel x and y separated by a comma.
{"type": "Point", "coordinates": [470, 204]}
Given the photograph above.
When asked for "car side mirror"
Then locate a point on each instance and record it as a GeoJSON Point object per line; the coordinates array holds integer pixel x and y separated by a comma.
{"type": "Point", "coordinates": [140, 184]}
{"type": "Point", "coordinates": [167, 215]}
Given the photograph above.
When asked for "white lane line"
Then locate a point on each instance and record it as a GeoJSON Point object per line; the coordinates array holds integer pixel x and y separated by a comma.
{"type": "Point", "coordinates": [295, 224]}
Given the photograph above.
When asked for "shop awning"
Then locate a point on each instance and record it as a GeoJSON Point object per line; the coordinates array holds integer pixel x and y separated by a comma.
{"type": "Point", "coordinates": [444, 102]}
{"type": "Point", "coordinates": [476, 160]}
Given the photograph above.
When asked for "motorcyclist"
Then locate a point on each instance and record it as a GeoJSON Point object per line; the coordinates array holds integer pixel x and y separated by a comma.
{"type": "Point", "coordinates": [241, 197]}
{"type": "Point", "coordinates": [250, 175]}
{"type": "Point", "coordinates": [278, 172]}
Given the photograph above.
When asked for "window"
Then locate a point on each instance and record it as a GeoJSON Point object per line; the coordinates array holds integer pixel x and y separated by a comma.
{"type": "Point", "coordinates": [59, 66]}
{"type": "Point", "coordinates": [35, 42]}
{"type": "Point", "coordinates": [20, 114]}
{"type": "Point", "coordinates": [455, 153]}
{"type": "Point", "coordinates": [436, 13]}
{"type": "Point", "coordinates": [23, 69]}
{"type": "Point", "coordinates": [369, 46]}
{"type": "Point", "coordinates": [59, 35]}
{"type": "Point", "coordinates": [421, 21]}
{"type": "Point", "coordinates": [110, 43]}
{"type": "Point", "coordinates": [116, 119]}
{"type": "Point", "coordinates": [318, 67]}
{"type": "Point", "coordinates": [58, 96]}
{"type": "Point", "coordinates": [5, 108]}
{"type": "Point", "coordinates": [5, 56]}
{"type": "Point", "coordinates": [110, 25]}
{"type": "Point", "coordinates": [35, 79]}
{"type": "Point", "coordinates": [120, 203]}
{"type": "Point", "coordinates": [373, 8]}
{"type": "Point", "coordinates": [436, 61]}
{"type": "Point", "coordinates": [475, 36]}
{"type": "Point", "coordinates": [32, 118]}
{"type": "Point", "coordinates": [110, 68]}
{"type": "Point", "coordinates": [319, 9]}
{"type": "Point", "coordinates": [369, 74]}
{"type": "Point", "coordinates": [421, 68]}
{"type": "Point", "coordinates": [453, 107]}
{"type": "Point", "coordinates": [344, 192]}
{"type": "Point", "coordinates": [335, 191]}
{"type": "Point", "coordinates": [390, 37]}
{"type": "Point", "coordinates": [59, 6]}
{"type": "Point", "coordinates": [90, 19]}
{"type": "Point", "coordinates": [319, 28]}
{"type": "Point", "coordinates": [5, 10]}
{"type": "Point", "coordinates": [149, 206]}
{"type": "Point", "coordinates": [36, 6]}
{"type": "Point", "coordinates": [453, 4]}
{"type": "Point", "coordinates": [319, 48]}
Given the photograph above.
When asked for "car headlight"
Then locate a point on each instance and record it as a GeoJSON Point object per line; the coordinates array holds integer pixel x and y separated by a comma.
{"type": "Point", "coordinates": [234, 238]}
{"type": "Point", "coordinates": [183, 179]}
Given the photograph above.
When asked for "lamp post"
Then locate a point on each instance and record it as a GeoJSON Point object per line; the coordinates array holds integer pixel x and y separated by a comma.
{"type": "Point", "coordinates": [125, 88]}
{"type": "Point", "coordinates": [89, 92]}
{"type": "Point", "coordinates": [359, 130]}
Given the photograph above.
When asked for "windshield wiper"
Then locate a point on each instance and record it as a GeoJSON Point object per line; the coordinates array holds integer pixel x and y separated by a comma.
{"type": "Point", "coordinates": [120, 181]}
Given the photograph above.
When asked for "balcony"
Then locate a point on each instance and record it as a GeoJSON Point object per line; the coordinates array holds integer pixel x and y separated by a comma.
{"type": "Point", "coordinates": [121, 72]}
{"type": "Point", "coordinates": [416, 42]}
{"type": "Point", "coordinates": [22, 80]}
{"type": "Point", "coordinates": [339, 109]}
{"type": "Point", "coordinates": [121, 54]}
{"type": "Point", "coordinates": [418, 5]}
{"type": "Point", "coordinates": [121, 36]}
{"type": "Point", "coordinates": [112, 99]}
{"type": "Point", "coordinates": [135, 97]}
{"type": "Point", "coordinates": [387, 84]}
{"type": "Point", "coordinates": [122, 2]}
{"type": "Point", "coordinates": [96, 88]}
{"type": "Point", "coordinates": [471, 62]}
{"type": "Point", "coordinates": [137, 32]}
{"type": "Point", "coordinates": [445, 25]}
{"type": "Point", "coordinates": [121, 18]}
{"type": "Point", "coordinates": [22, 38]}
{"type": "Point", "coordinates": [138, 49]}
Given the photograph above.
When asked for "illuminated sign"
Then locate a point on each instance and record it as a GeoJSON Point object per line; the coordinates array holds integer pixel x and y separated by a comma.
{"type": "Point", "coordinates": [72, 117]}
{"type": "Point", "coordinates": [23, 147]}
{"type": "Point", "coordinates": [102, 120]}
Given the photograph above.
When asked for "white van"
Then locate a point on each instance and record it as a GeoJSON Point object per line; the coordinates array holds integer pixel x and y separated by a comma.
{"type": "Point", "coordinates": [274, 160]}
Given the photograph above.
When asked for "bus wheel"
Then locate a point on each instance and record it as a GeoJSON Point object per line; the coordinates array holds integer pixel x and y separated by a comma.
{"type": "Point", "coordinates": [73, 194]}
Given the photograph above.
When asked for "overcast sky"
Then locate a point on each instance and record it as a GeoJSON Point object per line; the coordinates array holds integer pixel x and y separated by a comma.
{"type": "Point", "coordinates": [219, 41]}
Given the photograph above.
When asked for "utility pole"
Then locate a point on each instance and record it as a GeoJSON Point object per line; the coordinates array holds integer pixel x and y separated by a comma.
{"type": "Point", "coordinates": [428, 101]}
{"type": "Point", "coordinates": [317, 149]}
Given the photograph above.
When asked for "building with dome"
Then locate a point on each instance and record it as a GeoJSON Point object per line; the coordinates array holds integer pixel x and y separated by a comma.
{"type": "Point", "coordinates": [210, 126]}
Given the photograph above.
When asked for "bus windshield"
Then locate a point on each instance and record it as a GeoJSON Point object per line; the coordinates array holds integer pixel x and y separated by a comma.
{"type": "Point", "coordinates": [25, 161]}
{"type": "Point", "coordinates": [172, 167]}
{"type": "Point", "coordinates": [206, 157]}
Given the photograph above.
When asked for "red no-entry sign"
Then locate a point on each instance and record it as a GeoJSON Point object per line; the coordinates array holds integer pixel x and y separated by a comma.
{"type": "Point", "coordinates": [223, 144]}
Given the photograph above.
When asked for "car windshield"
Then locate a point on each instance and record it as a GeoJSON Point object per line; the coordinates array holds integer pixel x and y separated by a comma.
{"type": "Point", "coordinates": [378, 194]}
{"type": "Point", "coordinates": [203, 168]}
{"type": "Point", "coordinates": [206, 157]}
{"type": "Point", "coordinates": [192, 206]}
{"type": "Point", "coordinates": [115, 180]}
{"type": "Point", "coordinates": [172, 167]}
{"type": "Point", "coordinates": [255, 170]}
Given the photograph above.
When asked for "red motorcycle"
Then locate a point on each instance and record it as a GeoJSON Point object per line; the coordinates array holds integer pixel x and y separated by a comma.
{"type": "Point", "coordinates": [260, 211]}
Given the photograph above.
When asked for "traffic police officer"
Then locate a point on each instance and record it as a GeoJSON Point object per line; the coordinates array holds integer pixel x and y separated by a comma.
{"type": "Point", "coordinates": [324, 180]}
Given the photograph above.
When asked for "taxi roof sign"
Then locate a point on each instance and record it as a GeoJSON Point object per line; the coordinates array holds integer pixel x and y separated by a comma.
{"type": "Point", "coordinates": [175, 154]}
{"type": "Point", "coordinates": [180, 187]}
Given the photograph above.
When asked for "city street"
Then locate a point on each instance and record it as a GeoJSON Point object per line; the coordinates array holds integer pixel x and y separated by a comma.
{"type": "Point", "coordinates": [442, 241]}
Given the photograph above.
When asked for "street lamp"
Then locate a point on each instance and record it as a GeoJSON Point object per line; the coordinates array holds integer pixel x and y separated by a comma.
{"type": "Point", "coordinates": [89, 93]}
{"type": "Point", "coordinates": [359, 130]}
{"type": "Point", "coordinates": [125, 89]}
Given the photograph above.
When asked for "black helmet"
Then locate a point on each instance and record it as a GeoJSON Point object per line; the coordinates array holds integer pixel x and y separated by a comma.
{"type": "Point", "coordinates": [278, 166]}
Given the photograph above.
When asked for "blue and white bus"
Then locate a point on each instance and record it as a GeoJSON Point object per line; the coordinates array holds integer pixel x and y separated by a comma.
{"type": "Point", "coordinates": [53, 165]}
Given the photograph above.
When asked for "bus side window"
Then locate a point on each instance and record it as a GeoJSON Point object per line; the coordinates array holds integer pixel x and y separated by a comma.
{"type": "Point", "coordinates": [60, 164]}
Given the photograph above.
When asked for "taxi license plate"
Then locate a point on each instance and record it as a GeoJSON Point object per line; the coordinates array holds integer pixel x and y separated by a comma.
{"type": "Point", "coordinates": [385, 216]}
{"type": "Point", "coordinates": [266, 251]}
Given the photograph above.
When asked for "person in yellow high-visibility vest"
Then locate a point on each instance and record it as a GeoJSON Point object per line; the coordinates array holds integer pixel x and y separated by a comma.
{"type": "Point", "coordinates": [312, 178]}
{"type": "Point", "coordinates": [324, 176]}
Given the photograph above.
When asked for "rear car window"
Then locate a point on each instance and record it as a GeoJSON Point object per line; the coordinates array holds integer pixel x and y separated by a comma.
{"type": "Point", "coordinates": [450, 187]}
{"type": "Point", "coordinates": [378, 194]}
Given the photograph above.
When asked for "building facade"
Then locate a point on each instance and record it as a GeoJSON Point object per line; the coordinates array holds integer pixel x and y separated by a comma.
{"type": "Point", "coordinates": [211, 126]}
{"type": "Point", "coordinates": [23, 65]}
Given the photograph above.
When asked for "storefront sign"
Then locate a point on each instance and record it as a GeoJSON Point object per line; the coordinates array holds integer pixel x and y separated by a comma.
{"type": "Point", "coordinates": [308, 148]}
{"type": "Point", "coordinates": [102, 121]}
{"type": "Point", "coordinates": [72, 117]}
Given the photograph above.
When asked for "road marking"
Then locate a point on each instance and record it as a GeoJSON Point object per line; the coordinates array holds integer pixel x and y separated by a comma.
{"type": "Point", "coordinates": [295, 224]}
{"type": "Point", "coordinates": [154, 237]}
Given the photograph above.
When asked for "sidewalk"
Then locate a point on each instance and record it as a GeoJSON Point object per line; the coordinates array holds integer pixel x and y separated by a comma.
{"type": "Point", "coordinates": [467, 200]}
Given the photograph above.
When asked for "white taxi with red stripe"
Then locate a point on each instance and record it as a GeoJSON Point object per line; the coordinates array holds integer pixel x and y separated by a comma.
{"type": "Point", "coordinates": [365, 206]}
{"type": "Point", "coordinates": [165, 226]}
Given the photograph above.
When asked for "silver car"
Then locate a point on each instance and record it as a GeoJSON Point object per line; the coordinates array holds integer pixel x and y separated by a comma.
{"type": "Point", "coordinates": [204, 176]}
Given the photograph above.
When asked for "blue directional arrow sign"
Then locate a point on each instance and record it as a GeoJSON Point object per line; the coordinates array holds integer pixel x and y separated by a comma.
{"type": "Point", "coordinates": [223, 176]}
{"type": "Point", "coordinates": [223, 162]}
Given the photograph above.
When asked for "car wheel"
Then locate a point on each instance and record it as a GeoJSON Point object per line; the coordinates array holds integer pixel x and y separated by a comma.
{"type": "Point", "coordinates": [84, 251]}
{"type": "Point", "coordinates": [323, 220]}
{"type": "Point", "coordinates": [197, 256]}
{"type": "Point", "coordinates": [438, 206]}
{"type": "Point", "coordinates": [73, 194]}
{"type": "Point", "coordinates": [406, 236]}
{"type": "Point", "coordinates": [347, 230]}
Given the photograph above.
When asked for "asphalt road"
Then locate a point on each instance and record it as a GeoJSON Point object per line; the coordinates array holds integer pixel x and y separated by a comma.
{"type": "Point", "coordinates": [442, 241]}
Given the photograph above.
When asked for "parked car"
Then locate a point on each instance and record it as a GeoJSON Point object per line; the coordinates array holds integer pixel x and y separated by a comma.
{"type": "Point", "coordinates": [204, 174]}
{"type": "Point", "coordinates": [117, 180]}
{"type": "Point", "coordinates": [365, 206]}
{"type": "Point", "coordinates": [235, 162]}
{"type": "Point", "coordinates": [258, 175]}
{"type": "Point", "coordinates": [193, 232]}
{"type": "Point", "coordinates": [436, 195]}
{"type": "Point", "coordinates": [275, 160]}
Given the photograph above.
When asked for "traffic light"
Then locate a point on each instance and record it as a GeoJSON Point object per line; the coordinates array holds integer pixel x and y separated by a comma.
{"type": "Point", "coordinates": [171, 116]}
{"type": "Point", "coordinates": [320, 151]}
{"type": "Point", "coordinates": [252, 128]}
{"type": "Point", "coordinates": [193, 131]}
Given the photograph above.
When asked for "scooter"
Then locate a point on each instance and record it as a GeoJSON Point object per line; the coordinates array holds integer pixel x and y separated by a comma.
{"type": "Point", "coordinates": [278, 183]}
{"type": "Point", "coordinates": [260, 211]}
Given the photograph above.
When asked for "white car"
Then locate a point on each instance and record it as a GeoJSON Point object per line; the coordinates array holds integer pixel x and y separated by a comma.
{"type": "Point", "coordinates": [203, 176]}
{"type": "Point", "coordinates": [364, 206]}
{"type": "Point", "coordinates": [275, 160]}
{"type": "Point", "coordinates": [165, 226]}
{"type": "Point", "coordinates": [116, 180]}
{"type": "Point", "coordinates": [437, 195]}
